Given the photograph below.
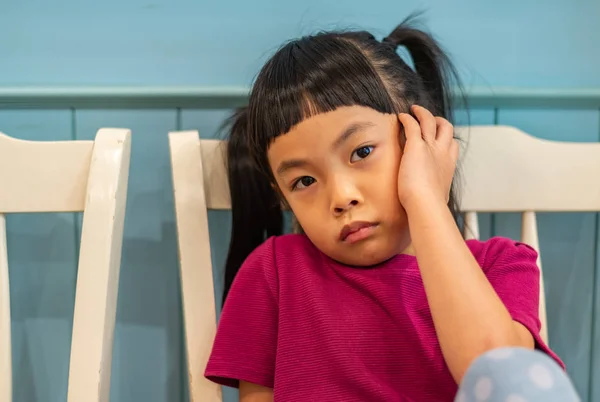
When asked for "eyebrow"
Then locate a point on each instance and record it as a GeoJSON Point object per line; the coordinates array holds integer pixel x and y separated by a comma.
{"type": "Point", "coordinates": [290, 164]}
{"type": "Point", "coordinates": [350, 131]}
{"type": "Point", "coordinates": [343, 137]}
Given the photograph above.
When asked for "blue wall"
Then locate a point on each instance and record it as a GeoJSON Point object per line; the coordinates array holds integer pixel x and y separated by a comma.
{"type": "Point", "coordinates": [514, 44]}
{"type": "Point", "coordinates": [509, 43]}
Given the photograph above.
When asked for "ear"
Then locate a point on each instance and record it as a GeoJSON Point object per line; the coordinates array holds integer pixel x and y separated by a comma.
{"type": "Point", "coordinates": [401, 133]}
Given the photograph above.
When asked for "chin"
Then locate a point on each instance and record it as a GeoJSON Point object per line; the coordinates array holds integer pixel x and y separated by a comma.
{"type": "Point", "coordinates": [364, 254]}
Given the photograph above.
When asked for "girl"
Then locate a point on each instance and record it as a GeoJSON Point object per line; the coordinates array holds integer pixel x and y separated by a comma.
{"type": "Point", "coordinates": [380, 298]}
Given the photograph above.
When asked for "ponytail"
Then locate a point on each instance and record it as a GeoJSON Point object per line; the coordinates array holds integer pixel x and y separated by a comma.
{"type": "Point", "coordinates": [255, 206]}
{"type": "Point", "coordinates": [436, 73]}
{"type": "Point", "coordinates": [430, 62]}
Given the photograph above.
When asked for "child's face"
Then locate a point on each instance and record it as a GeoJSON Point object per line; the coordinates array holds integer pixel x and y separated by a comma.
{"type": "Point", "coordinates": [341, 168]}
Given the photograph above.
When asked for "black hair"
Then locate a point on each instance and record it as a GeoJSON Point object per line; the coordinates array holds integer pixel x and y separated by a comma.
{"type": "Point", "coordinates": [317, 74]}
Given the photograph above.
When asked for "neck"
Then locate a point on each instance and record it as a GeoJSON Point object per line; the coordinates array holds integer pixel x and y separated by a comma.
{"type": "Point", "coordinates": [409, 250]}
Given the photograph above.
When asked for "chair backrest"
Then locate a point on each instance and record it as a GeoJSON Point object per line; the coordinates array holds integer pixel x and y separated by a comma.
{"type": "Point", "coordinates": [199, 184]}
{"type": "Point", "coordinates": [72, 176]}
{"type": "Point", "coordinates": [507, 170]}
{"type": "Point", "coordinates": [495, 154]}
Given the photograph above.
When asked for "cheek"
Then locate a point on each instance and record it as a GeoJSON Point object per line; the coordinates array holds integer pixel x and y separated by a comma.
{"type": "Point", "coordinates": [386, 169]}
{"type": "Point", "coordinates": [315, 227]}
{"type": "Point", "coordinates": [305, 214]}
{"type": "Point", "coordinates": [383, 185]}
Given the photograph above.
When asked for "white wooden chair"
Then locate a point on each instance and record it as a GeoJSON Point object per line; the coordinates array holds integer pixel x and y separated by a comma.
{"type": "Point", "coordinates": [507, 170]}
{"type": "Point", "coordinates": [72, 176]}
{"type": "Point", "coordinates": [503, 170]}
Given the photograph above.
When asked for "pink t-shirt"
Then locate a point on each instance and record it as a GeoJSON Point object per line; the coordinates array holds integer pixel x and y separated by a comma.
{"type": "Point", "coordinates": [316, 330]}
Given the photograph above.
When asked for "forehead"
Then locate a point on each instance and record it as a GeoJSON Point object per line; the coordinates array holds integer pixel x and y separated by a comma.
{"type": "Point", "coordinates": [323, 129]}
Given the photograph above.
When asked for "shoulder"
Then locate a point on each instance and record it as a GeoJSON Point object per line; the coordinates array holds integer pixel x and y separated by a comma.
{"type": "Point", "coordinates": [279, 259]}
{"type": "Point", "coordinates": [500, 251]}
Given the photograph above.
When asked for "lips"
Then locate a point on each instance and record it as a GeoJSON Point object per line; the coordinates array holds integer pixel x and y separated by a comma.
{"type": "Point", "coordinates": [354, 227]}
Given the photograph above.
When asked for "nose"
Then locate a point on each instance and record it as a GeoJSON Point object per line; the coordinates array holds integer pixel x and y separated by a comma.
{"type": "Point", "coordinates": [344, 195]}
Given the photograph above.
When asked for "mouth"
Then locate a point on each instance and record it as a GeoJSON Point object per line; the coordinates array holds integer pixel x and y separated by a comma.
{"type": "Point", "coordinates": [357, 231]}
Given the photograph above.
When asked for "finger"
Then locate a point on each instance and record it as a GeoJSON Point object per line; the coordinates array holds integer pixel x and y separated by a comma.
{"type": "Point", "coordinates": [412, 130]}
{"type": "Point", "coordinates": [426, 121]}
{"type": "Point", "coordinates": [444, 131]}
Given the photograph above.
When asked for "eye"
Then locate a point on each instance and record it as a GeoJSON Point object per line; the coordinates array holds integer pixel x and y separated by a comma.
{"type": "Point", "coordinates": [361, 153]}
{"type": "Point", "coordinates": [303, 182]}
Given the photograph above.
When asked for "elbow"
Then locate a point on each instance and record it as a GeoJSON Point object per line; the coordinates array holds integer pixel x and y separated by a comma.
{"type": "Point", "coordinates": [505, 340]}
{"type": "Point", "coordinates": [515, 336]}
{"type": "Point", "coordinates": [509, 339]}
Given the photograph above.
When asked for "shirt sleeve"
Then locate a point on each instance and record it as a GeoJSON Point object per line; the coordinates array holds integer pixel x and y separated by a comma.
{"type": "Point", "coordinates": [245, 343]}
{"type": "Point", "coordinates": [511, 267]}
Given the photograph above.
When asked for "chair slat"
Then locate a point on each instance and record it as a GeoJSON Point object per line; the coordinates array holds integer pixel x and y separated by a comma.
{"type": "Point", "coordinates": [99, 268]}
{"type": "Point", "coordinates": [43, 176]}
{"type": "Point", "coordinates": [5, 343]}
{"type": "Point", "coordinates": [507, 170]}
{"type": "Point", "coordinates": [529, 235]}
{"type": "Point", "coordinates": [192, 166]}
{"type": "Point", "coordinates": [213, 154]}
{"type": "Point", "coordinates": [471, 228]}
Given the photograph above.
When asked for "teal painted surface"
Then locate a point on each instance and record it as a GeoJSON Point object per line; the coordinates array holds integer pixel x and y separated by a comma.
{"type": "Point", "coordinates": [595, 356]}
{"type": "Point", "coordinates": [42, 256]}
{"type": "Point", "coordinates": [567, 244]}
{"type": "Point", "coordinates": [135, 42]}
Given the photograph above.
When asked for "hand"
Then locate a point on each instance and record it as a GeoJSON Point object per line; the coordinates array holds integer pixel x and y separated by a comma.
{"type": "Point", "coordinates": [429, 159]}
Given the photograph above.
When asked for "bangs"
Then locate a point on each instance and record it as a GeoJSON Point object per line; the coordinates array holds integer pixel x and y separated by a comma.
{"type": "Point", "coordinates": [310, 76]}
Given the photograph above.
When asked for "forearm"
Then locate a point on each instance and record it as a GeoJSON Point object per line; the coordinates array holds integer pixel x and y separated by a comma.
{"type": "Point", "coordinates": [468, 315]}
